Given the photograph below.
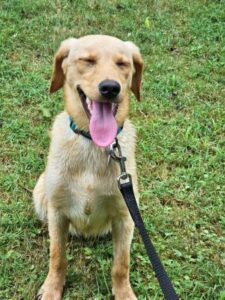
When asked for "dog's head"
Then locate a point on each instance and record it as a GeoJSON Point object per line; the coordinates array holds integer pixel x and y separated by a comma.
{"type": "Point", "coordinates": [97, 73]}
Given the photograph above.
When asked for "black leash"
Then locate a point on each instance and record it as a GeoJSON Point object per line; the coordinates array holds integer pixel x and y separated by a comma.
{"type": "Point", "coordinates": [126, 188]}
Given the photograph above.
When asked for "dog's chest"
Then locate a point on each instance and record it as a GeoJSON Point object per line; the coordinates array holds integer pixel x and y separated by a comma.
{"type": "Point", "coordinates": [82, 184]}
{"type": "Point", "coordinates": [89, 188]}
{"type": "Point", "coordinates": [93, 194]}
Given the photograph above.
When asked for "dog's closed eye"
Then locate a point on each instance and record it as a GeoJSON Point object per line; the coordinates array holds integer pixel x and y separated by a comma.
{"type": "Point", "coordinates": [87, 60]}
{"type": "Point", "coordinates": [122, 64]}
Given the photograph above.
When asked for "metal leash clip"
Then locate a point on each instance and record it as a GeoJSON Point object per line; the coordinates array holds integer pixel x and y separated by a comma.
{"type": "Point", "coordinates": [114, 152]}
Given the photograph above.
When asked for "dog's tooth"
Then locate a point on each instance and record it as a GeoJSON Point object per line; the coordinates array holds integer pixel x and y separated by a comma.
{"type": "Point", "coordinates": [89, 104]}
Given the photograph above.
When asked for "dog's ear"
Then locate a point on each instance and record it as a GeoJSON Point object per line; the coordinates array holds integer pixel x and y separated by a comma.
{"type": "Point", "coordinates": [138, 69]}
{"type": "Point", "coordinates": [58, 74]}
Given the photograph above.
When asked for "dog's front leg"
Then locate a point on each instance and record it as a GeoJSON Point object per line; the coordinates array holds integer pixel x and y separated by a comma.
{"type": "Point", "coordinates": [52, 288]}
{"type": "Point", "coordinates": [122, 233]}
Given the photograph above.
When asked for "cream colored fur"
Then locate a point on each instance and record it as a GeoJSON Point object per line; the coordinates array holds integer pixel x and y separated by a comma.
{"type": "Point", "coordinates": [80, 181]}
{"type": "Point", "coordinates": [78, 188]}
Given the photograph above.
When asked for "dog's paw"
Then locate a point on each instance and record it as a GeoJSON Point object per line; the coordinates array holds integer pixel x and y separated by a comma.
{"type": "Point", "coordinates": [47, 292]}
{"type": "Point", "coordinates": [125, 293]}
{"type": "Point", "coordinates": [49, 295]}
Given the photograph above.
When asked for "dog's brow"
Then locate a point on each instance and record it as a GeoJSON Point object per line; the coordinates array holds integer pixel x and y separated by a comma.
{"type": "Point", "coordinates": [89, 53]}
{"type": "Point", "coordinates": [86, 54]}
{"type": "Point", "coordinates": [87, 57]}
{"type": "Point", "coordinates": [121, 57]}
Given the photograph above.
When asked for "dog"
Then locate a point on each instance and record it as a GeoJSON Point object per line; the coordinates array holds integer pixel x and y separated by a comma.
{"type": "Point", "coordinates": [78, 190]}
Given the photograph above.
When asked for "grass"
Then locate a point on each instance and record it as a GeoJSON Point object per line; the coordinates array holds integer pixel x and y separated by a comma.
{"type": "Point", "coordinates": [180, 153]}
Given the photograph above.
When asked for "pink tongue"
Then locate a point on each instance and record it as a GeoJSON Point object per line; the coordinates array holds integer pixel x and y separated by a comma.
{"type": "Point", "coordinates": [103, 127]}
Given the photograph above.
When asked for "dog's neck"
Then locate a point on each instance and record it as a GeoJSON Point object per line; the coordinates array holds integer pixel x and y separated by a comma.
{"type": "Point", "coordinates": [84, 133]}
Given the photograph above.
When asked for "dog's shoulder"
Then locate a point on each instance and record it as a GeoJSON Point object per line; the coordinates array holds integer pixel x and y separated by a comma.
{"type": "Point", "coordinates": [127, 138]}
{"type": "Point", "coordinates": [61, 130]}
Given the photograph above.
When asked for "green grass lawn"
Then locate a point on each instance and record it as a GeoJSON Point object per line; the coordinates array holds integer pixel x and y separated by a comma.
{"type": "Point", "coordinates": [180, 150]}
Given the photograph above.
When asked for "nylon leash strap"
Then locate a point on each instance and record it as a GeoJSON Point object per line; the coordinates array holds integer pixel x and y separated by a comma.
{"type": "Point", "coordinates": [126, 189]}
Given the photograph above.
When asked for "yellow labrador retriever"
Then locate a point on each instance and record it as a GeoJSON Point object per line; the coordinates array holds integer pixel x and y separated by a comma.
{"type": "Point", "coordinates": [78, 190]}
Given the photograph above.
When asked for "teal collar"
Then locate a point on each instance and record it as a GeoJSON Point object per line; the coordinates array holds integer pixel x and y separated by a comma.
{"type": "Point", "coordinates": [86, 134]}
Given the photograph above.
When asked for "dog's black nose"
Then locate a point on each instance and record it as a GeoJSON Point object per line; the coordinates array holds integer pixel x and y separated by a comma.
{"type": "Point", "coordinates": [109, 88]}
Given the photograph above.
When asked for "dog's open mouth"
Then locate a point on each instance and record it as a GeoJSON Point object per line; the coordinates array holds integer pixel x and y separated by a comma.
{"type": "Point", "coordinates": [87, 103]}
{"type": "Point", "coordinates": [101, 115]}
